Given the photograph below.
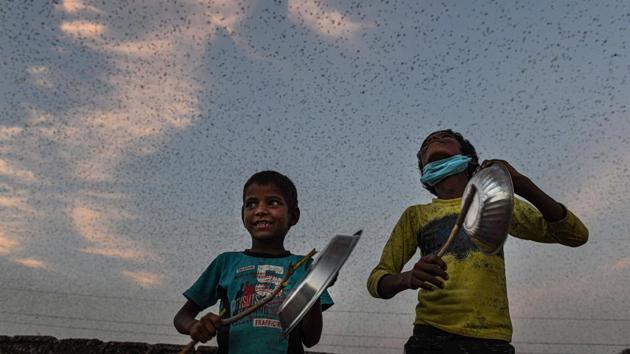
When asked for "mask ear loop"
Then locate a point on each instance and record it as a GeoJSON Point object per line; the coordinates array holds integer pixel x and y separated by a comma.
{"type": "Point", "coordinates": [473, 167]}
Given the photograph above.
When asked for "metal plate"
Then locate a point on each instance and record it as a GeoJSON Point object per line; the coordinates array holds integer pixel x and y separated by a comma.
{"type": "Point", "coordinates": [490, 214]}
{"type": "Point", "coordinates": [321, 274]}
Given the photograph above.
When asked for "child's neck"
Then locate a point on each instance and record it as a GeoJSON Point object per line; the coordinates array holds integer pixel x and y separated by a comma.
{"type": "Point", "coordinates": [452, 186]}
{"type": "Point", "coordinates": [272, 249]}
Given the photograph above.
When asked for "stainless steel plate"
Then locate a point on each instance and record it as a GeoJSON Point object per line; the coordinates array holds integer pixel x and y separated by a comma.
{"type": "Point", "coordinates": [490, 214]}
{"type": "Point", "coordinates": [321, 274]}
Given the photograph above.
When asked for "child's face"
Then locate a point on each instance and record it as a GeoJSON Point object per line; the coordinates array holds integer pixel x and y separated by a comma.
{"type": "Point", "coordinates": [266, 215]}
{"type": "Point", "coordinates": [439, 146]}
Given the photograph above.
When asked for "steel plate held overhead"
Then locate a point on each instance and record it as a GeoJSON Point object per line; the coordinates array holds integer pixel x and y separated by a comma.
{"type": "Point", "coordinates": [490, 214]}
{"type": "Point", "coordinates": [321, 274]}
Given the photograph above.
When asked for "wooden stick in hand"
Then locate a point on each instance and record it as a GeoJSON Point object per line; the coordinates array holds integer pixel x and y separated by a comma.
{"type": "Point", "coordinates": [468, 198]}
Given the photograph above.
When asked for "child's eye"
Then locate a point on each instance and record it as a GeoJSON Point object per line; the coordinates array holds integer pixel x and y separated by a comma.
{"type": "Point", "coordinates": [274, 202]}
{"type": "Point", "coordinates": [250, 205]}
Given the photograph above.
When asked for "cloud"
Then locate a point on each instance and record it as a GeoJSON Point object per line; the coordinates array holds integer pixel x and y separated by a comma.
{"type": "Point", "coordinates": [16, 202]}
{"type": "Point", "coordinates": [226, 14]}
{"type": "Point", "coordinates": [81, 29]}
{"type": "Point", "coordinates": [142, 48]}
{"type": "Point", "coordinates": [93, 226]}
{"type": "Point", "coordinates": [8, 170]}
{"type": "Point", "coordinates": [41, 76]}
{"type": "Point", "coordinates": [7, 133]}
{"type": "Point", "coordinates": [111, 135]}
{"type": "Point", "coordinates": [145, 279]}
{"type": "Point", "coordinates": [31, 263]}
{"type": "Point", "coordinates": [560, 288]}
{"type": "Point", "coordinates": [152, 85]}
{"type": "Point", "coordinates": [621, 265]}
{"type": "Point", "coordinates": [73, 6]}
{"type": "Point", "coordinates": [7, 245]}
{"type": "Point", "coordinates": [152, 89]}
{"type": "Point", "coordinates": [600, 183]}
{"type": "Point", "coordinates": [326, 22]}
{"type": "Point", "coordinates": [153, 97]}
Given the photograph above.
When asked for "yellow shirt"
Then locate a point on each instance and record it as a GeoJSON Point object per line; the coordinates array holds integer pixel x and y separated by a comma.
{"type": "Point", "coordinates": [474, 300]}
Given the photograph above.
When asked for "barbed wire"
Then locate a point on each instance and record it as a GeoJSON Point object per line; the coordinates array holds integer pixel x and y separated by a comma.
{"type": "Point", "coordinates": [129, 298]}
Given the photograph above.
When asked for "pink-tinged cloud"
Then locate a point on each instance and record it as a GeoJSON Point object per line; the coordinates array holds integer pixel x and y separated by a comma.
{"type": "Point", "coordinates": [144, 279]}
{"type": "Point", "coordinates": [622, 264]}
{"type": "Point", "coordinates": [154, 98]}
{"type": "Point", "coordinates": [10, 170]}
{"type": "Point", "coordinates": [32, 263]}
{"type": "Point", "coordinates": [327, 22]}
{"type": "Point", "coordinates": [81, 29]}
{"type": "Point", "coordinates": [7, 245]}
{"type": "Point", "coordinates": [94, 226]}
{"type": "Point", "coordinates": [7, 133]}
{"type": "Point", "coordinates": [591, 201]}
{"type": "Point", "coordinates": [155, 95]}
{"type": "Point", "coordinates": [16, 201]}
{"type": "Point", "coordinates": [41, 76]}
{"type": "Point", "coordinates": [563, 287]}
{"type": "Point", "coordinates": [73, 6]}
{"type": "Point", "coordinates": [115, 252]}
{"type": "Point", "coordinates": [225, 13]}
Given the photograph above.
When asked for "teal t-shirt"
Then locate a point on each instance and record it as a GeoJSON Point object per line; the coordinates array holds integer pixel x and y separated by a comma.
{"type": "Point", "coordinates": [241, 279]}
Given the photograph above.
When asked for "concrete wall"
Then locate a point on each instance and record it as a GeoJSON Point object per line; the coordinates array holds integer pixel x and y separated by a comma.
{"type": "Point", "coordinates": [50, 345]}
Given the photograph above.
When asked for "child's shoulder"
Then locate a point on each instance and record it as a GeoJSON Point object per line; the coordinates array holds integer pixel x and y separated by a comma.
{"type": "Point", "coordinates": [294, 255]}
{"type": "Point", "coordinates": [416, 208]}
{"type": "Point", "coordinates": [230, 253]}
{"type": "Point", "coordinates": [419, 214]}
{"type": "Point", "coordinates": [227, 256]}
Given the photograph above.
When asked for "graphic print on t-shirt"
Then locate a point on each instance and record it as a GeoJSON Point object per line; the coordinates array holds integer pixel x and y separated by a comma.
{"type": "Point", "coordinates": [435, 233]}
{"type": "Point", "coordinates": [255, 282]}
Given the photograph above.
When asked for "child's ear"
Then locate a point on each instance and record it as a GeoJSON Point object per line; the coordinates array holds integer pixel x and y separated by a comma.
{"type": "Point", "coordinates": [294, 216]}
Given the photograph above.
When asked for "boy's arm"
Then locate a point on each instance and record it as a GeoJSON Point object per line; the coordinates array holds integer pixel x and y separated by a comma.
{"type": "Point", "coordinates": [185, 317]}
{"type": "Point", "coordinates": [386, 279]}
{"type": "Point", "coordinates": [426, 274]}
{"type": "Point", "coordinates": [200, 330]}
{"type": "Point", "coordinates": [551, 210]}
{"type": "Point", "coordinates": [554, 214]}
{"type": "Point", "coordinates": [311, 325]}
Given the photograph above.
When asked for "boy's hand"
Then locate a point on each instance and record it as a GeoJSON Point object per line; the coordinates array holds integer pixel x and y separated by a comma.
{"type": "Point", "coordinates": [205, 328]}
{"type": "Point", "coordinates": [425, 273]}
{"type": "Point", "coordinates": [550, 209]}
{"type": "Point", "coordinates": [519, 181]}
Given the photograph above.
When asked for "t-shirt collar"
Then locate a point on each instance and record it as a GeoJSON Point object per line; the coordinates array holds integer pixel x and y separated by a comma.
{"type": "Point", "coordinates": [266, 255]}
{"type": "Point", "coordinates": [445, 202]}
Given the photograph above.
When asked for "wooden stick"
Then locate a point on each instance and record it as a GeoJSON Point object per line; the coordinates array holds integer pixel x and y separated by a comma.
{"type": "Point", "coordinates": [283, 283]}
{"type": "Point", "coordinates": [187, 347]}
{"type": "Point", "coordinates": [468, 198]}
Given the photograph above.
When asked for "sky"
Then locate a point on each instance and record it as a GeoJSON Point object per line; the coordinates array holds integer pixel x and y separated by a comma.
{"type": "Point", "coordinates": [127, 129]}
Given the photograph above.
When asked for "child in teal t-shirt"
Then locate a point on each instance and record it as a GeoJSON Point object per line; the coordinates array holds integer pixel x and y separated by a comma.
{"type": "Point", "coordinates": [241, 279]}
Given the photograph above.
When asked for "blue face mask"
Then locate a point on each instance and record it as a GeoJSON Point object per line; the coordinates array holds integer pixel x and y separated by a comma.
{"type": "Point", "coordinates": [434, 172]}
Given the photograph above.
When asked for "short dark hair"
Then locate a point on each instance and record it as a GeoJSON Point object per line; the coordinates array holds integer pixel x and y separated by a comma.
{"type": "Point", "coordinates": [467, 149]}
{"type": "Point", "coordinates": [286, 186]}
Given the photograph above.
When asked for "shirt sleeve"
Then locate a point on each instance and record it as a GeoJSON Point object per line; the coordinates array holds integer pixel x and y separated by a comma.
{"type": "Point", "coordinates": [400, 247]}
{"type": "Point", "coordinates": [326, 300]}
{"type": "Point", "coordinates": [529, 224]}
{"type": "Point", "coordinates": [205, 291]}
